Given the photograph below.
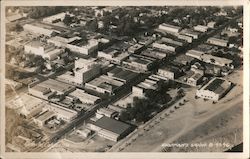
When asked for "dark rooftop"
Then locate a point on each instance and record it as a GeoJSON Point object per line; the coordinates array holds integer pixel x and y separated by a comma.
{"type": "Point", "coordinates": [112, 125]}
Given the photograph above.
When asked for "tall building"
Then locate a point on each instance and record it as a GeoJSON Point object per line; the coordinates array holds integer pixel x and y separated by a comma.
{"type": "Point", "coordinates": [85, 70]}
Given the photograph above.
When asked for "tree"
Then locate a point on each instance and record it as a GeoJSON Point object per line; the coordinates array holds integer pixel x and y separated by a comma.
{"type": "Point", "coordinates": [92, 25]}
{"type": "Point", "coordinates": [67, 20]}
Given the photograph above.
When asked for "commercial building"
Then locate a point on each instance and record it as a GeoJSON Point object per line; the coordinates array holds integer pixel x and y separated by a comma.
{"type": "Point", "coordinates": [169, 28]}
{"type": "Point", "coordinates": [195, 79]}
{"type": "Point", "coordinates": [61, 41]}
{"type": "Point", "coordinates": [36, 29]}
{"type": "Point", "coordinates": [218, 42]}
{"type": "Point", "coordinates": [137, 48]}
{"type": "Point", "coordinates": [168, 44]}
{"type": "Point", "coordinates": [192, 33]}
{"type": "Point", "coordinates": [85, 70]}
{"type": "Point", "coordinates": [219, 61]}
{"type": "Point", "coordinates": [28, 105]}
{"type": "Point", "coordinates": [104, 85]}
{"type": "Point", "coordinates": [184, 59]}
{"type": "Point", "coordinates": [85, 97]}
{"type": "Point", "coordinates": [195, 53]}
{"type": "Point", "coordinates": [201, 28]}
{"type": "Point", "coordinates": [123, 75]}
{"type": "Point", "coordinates": [81, 46]}
{"type": "Point", "coordinates": [106, 112]}
{"type": "Point", "coordinates": [54, 18]}
{"type": "Point", "coordinates": [215, 89]}
{"type": "Point", "coordinates": [170, 72]}
{"type": "Point", "coordinates": [152, 82]}
{"type": "Point", "coordinates": [44, 117]}
{"type": "Point", "coordinates": [111, 129]}
{"type": "Point", "coordinates": [47, 51]}
{"type": "Point", "coordinates": [113, 55]}
{"type": "Point", "coordinates": [139, 63]}
{"type": "Point", "coordinates": [187, 38]}
{"type": "Point", "coordinates": [62, 113]}
{"type": "Point", "coordinates": [156, 54]}
{"type": "Point", "coordinates": [211, 24]}
{"type": "Point", "coordinates": [49, 88]}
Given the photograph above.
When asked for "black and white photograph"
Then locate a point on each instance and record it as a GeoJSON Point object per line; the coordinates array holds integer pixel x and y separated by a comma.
{"type": "Point", "coordinates": [118, 79]}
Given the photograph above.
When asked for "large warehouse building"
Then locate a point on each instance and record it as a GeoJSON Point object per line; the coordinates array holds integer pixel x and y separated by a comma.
{"type": "Point", "coordinates": [110, 128]}
{"type": "Point", "coordinates": [214, 89]}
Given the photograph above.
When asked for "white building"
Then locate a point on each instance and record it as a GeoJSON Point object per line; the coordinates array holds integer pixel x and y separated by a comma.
{"type": "Point", "coordinates": [215, 89]}
{"type": "Point", "coordinates": [169, 28]}
{"type": "Point", "coordinates": [201, 28]}
{"type": "Point", "coordinates": [83, 47]}
{"type": "Point", "coordinates": [104, 85]}
{"type": "Point", "coordinates": [63, 113]}
{"type": "Point", "coordinates": [219, 61]}
{"type": "Point", "coordinates": [62, 41]}
{"type": "Point", "coordinates": [218, 42]}
{"type": "Point", "coordinates": [187, 38]}
{"type": "Point", "coordinates": [51, 19]}
{"type": "Point", "coordinates": [106, 112]}
{"type": "Point", "coordinates": [47, 51]}
{"type": "Point", "coordinates": [85, 97]}
{"type": "Point", "coordinates": [29, 106]}
{"type": "Point", "coordinates": [113, 55]}
{"type": "Point", "coordinates": [34, 29]}
{"type": "Point", "coordinates": [85, 70]}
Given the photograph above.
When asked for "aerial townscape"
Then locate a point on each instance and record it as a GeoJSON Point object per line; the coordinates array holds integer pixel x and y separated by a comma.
{"type": "Point", "coordinates": [123, 79]}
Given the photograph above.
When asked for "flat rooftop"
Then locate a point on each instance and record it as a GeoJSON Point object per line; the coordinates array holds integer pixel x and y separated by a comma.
{"type": "Point", "coordinates": [112, 125]}
{"type": "Point", "coordinates": [56, 85]}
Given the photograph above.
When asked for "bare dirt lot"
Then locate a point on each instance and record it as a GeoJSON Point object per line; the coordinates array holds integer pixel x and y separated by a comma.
{"type": "Point", "coordinates": [198, 121]}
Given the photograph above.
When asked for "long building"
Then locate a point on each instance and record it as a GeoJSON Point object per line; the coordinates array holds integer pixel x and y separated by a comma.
{"type": "Point", "coordinates": [219, 61]}
{"type": "Point", "coordinates": [111, 129]}
{"type": "Point", "coordinates": [218, 42]}
{"type": "Point", "coordinates": [35, 29]}
{"type": "Point", "coordinates": [169, 28]}
{"type": "Point", "coordinates": [49, 88]}
{"type": "Point", "coordinates": [215, 89]}
{"type": "Point", "coordinates": [122, 75]}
